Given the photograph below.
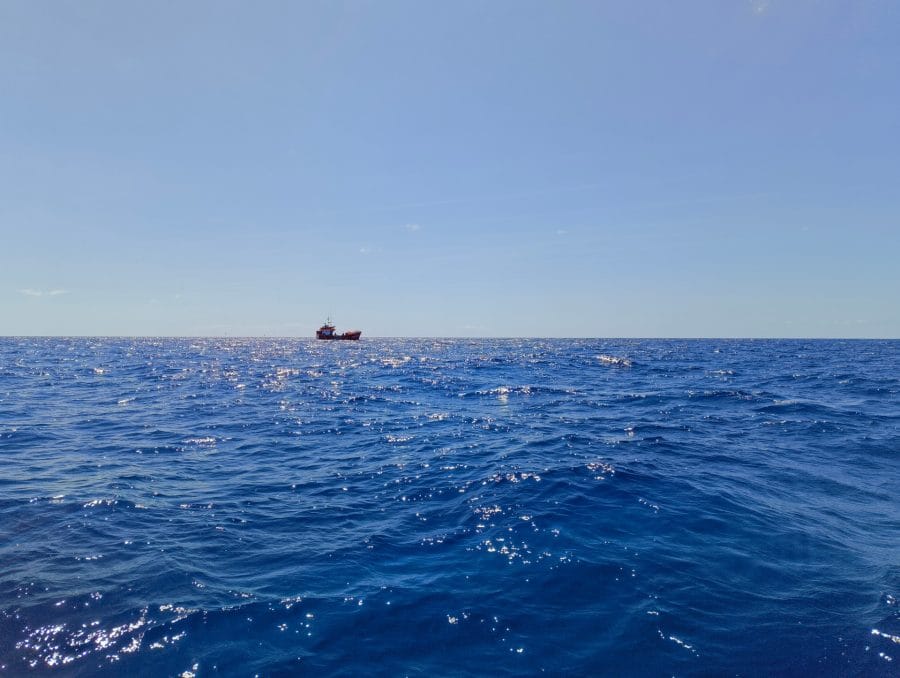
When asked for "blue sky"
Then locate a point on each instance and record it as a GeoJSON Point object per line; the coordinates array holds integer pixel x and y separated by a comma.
{"type": "Point", "coordinates": [720, 168]}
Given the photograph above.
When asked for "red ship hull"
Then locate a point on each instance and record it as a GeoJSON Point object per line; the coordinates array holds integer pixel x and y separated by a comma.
{"type": "Point", "coordinates": [346, 336]}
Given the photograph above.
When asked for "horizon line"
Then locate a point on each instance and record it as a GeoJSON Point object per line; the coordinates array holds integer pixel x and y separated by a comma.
{"type": "Point", "coordinates": [467, 337]}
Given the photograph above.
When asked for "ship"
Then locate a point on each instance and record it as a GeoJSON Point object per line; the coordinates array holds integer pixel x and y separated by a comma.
{"type": "Point", "coordinates": [327, 331]}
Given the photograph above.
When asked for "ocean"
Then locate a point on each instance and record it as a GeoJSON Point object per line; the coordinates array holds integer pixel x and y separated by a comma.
{"type": "Point", "coordinates": [449, 507]}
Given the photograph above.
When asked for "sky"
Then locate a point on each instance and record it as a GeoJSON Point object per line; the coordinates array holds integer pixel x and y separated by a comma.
{"type": "Point", "coordinates": [720, 168]}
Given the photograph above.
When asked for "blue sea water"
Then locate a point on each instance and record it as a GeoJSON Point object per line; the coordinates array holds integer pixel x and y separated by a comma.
{"type": "Point", "coordinates": [449, 507]}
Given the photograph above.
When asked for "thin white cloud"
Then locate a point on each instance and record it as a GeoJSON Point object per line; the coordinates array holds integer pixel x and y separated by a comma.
{"type": "Point", "coordinates": [29, 292]}
{"type": "Point", "coordinates": [561, 231]}
{"type": "Point", "coordinates": [759, 6]}
{"type": "Point", "coordinates": [412, 228]}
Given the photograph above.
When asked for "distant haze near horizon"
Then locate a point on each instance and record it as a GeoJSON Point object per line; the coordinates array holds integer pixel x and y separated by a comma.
{"type": "Point", "coordinates": [570, 169]}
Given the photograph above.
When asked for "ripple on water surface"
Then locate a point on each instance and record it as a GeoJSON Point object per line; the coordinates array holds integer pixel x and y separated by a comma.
{"type": "Point", "coordinates": [188, 507]}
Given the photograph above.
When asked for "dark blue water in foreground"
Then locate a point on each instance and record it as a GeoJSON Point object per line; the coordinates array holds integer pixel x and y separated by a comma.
{"type": "Point", "coordinates": [449, 507]}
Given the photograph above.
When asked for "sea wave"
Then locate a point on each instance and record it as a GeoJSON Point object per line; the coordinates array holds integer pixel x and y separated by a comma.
{"type": "Point", "coordinates": [183, 507]}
